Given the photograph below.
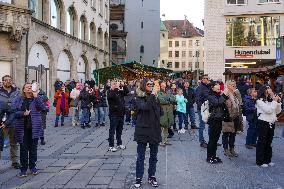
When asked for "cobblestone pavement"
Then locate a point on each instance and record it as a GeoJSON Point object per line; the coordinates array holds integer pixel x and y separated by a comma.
{"type": "Point", "coordinates": [77, 158]}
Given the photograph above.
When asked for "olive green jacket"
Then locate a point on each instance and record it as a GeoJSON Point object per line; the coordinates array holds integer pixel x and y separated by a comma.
{"type": "Point", "coordinates": [166, 101]}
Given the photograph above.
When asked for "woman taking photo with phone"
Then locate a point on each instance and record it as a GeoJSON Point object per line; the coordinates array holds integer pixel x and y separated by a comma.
{"type": "Point", "coordinates": [147, 130]}
{"type": "Point", "coordinates": [28, 127]}
{"type": "Point", "coordinates": [268, 106]}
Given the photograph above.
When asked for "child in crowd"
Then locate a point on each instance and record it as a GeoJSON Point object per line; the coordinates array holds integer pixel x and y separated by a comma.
{"type": "Point", "coordinates": [181, 109]}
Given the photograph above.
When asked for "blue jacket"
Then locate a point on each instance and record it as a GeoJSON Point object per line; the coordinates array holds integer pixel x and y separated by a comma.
{"type": "Point", "coordinates": [202, 93]}
{"type": "Point", "coordinates": [250, 109]}
{"type": "Point", "coordinates": [10, 116]}
{"type": "Point", "coordinates": [37, 106]}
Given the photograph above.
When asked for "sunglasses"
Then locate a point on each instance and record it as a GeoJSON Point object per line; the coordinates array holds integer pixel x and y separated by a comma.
{"type": "Point", "coordinates": [149, 84]}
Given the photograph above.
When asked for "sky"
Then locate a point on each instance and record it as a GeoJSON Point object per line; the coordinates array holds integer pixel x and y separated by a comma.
{"type": "Point", "coordinates": [176, 9]}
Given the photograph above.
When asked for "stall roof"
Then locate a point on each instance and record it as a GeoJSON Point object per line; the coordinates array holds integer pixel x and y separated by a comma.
{"type": "Point", "coordinates": [248, 71]}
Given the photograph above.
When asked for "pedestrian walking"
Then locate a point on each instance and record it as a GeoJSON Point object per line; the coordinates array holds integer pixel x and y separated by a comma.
{"type": "Point", "coordinates": [28, 127]}
{"type": "Point", "coordinates": [251, 117]}
{"type": "Point", "coordinates": [181, 109]}
{"type": "Point", "coordinates": [46, 101]}
{"type": "Point", "coordinates": [116, 104]}
{"type": "Point", "coordinates": [62, 106]}
{"type": "Point", "coordinates": [7, 94]}
{"type": "Point", "coordinates": [217, 107]}
{"type": "Point", "coordinates": [147, 130]}
{"type": "Point", "coordinates": [268, 105]}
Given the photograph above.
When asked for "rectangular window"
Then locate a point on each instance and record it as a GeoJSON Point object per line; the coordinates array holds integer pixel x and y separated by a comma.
{"type": "Point", "coordinates": [236, 2]}
{"type": "Point", "coordinates": [170, 44]}
{"type": "Point", "coordinates": [170, 54]}
{"type": "Point", "coordinates": [269, 1]}
{"type": "Point", "coordinates": [183, 43]}
{"type": "Point", "coordinates": [190, 43]}
{"type": "Point", "coordinates": [196, 65]}
{"type": "Point", "coordinates": [142, 25]}
{"type": "Point", "coordinates": [176, 54]}
{"type": "Point", "coordinates": [252, 31]}
{"type": "Point", "coordinates": [176, 43]}
{"type": "Point", "coordinates": [183, 65]}
{"type": "Point", "coordinates": [183, 54]}
{"type": "Point", "coordinates": [170, 65]}
{"type": "Point", "coordinates": [190, 65]}
{"type": "Point", "coordinates": [197, 43]}
{"type": "Point", "coordinates": [190, 54]}
{"type": "Point", "coordinates": [176, 64]}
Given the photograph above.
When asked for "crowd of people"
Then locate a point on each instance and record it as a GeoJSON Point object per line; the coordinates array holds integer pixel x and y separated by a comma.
{"type": "Point", "coordinates": [156, 108]}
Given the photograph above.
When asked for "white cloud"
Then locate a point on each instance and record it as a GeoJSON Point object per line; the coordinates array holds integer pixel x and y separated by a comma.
{"type": "Point", "coordinates": [176, 9]}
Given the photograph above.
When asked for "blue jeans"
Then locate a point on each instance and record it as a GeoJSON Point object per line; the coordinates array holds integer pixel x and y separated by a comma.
{"type": "Point", "coordinates": [201, 127]}
{"type": "Point", "coordinates": [181, 119]}
{"type": "Point", "coordinates": [101, 115]}
{"type": "Point", "coordinates": [251, 133]}
{"type": "Point", "coordinates": [85, 117]}
{"type": "Point", "coordinates": [191, 114]}
{"type": "Point", "coordinates": [116, 127]}
{"type": "Point", "coordinates": [28, 151]}
{"type": "Point", "coordinates": [62, 118]}
{"type": "Point", "coordinates": [141, 148]}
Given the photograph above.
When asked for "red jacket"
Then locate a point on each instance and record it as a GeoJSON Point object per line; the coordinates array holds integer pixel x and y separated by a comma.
{"type": "Point", "coordinates": [58, 105]}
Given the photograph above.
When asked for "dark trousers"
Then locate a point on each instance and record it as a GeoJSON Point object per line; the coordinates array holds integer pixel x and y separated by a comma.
{"type": "Point", "coordinates": [28, 151]}
{"type": "Point", "coordinates": [175, 114]}
{"type": "Point", "coordinates": [141, 148]}
{"type": "Point", "coordinates": [214, 134]}
{"type": "Point", "coordinates": [263, 147]}
{"type": "Point", "coordinates": [251, 133]}
{"type": "Point", "coordinates": [116, 127]}
{"type": "Point", "coordinates": [228, 140]}
{"type": "Point", "coordinates": [181, 119]}
{"type": "Point", "coordinates": [127, 115]}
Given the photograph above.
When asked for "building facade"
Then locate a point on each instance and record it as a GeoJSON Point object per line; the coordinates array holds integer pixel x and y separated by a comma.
{"type": "Point", "coordinates": [242, 33]}
{"type": "Point", "coordinates": [48, 39]}
{"type": "Point", "coordinates": [142, 24]}
{"type": "Point", "coordinates": [182, 46]}
{"type": "Point", "coordinates": [118, 34]}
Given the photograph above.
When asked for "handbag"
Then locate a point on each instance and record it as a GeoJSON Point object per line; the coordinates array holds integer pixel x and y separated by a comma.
{"type": "Point", "coordinates": [228, 127]}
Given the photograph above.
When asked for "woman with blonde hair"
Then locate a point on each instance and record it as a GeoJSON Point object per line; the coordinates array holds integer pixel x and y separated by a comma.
{"type": "Point", "coordinates": [231, 122]}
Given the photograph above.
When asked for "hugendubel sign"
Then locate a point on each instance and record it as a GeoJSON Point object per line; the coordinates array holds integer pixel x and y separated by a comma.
{"type": "Point", "coordinates": [250, 54]}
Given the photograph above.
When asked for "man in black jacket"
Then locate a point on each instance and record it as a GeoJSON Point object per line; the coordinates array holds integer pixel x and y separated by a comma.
{"type": "Point", "coordinates": [189, 94]}
{"type": "Point", "coordinates": [202, 92]}
{"type": "Point", "coordinates": [116, 103]}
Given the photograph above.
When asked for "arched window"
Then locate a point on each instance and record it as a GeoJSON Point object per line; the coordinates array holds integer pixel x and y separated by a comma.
{"type": "Point", "coordinates": [83, 28]}
{"type": "Point", "coordinates": [113, 27]}
{"type": "Point", "coordinates": [71, 21]}
{"type": "Point", "coordinates": [92, 33]}
{"type": "Point", "coordinates": [55, 13]}
{"type": "Point", "coordinates": [100, 38]}
{"type": "Point", "coordinates": [37, 7]}
{"type": "Point", "coordinates": [114, 46]}
{"type": "Point", "coordinates": [141, 49]}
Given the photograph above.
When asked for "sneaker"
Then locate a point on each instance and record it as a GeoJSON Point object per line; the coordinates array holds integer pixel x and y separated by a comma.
{"type": "Point", "coordinates": [16, 165]}
{"type": "Point", "coordinates": [168, 143]}
{"type": "Point", "coordinates": [122, 147]}
{"type": "Point", "coordinates": [186, 127]}
{"type": "Point", "coordinates": [34, 171]}
{"type": "Point", "coordinates": [179, 131]}
{"type": "Point", "coordinates": [203, 145]}
{"type": "Point", "coordinates": [42, 142]}
{"type": "Point", "coordinates": [103, 124]}
{"type": "Point", "coordinates": [194, 127]}
{"type": "Point", "coordinates": [97, 125]}
{"type": "Point", "coordinates": [112, 149]}
{"type": "Point", "coordinates": [55, 125]}
{"type": "Point", "coordinates": [271, 164]}
{"type": "Point", "coordinates": [249, 146]}
{"type": "Point", "coordinates": [264, 165]}
{"type": "Point", "coordinates": [211, 161]}
{"type": "Point", "coordinates": [228, 153]}
{"type": "Point", "coordinates": [153, 181]}
{"type": "Point", "coordinates": [219, 144]}
{"type": "Point", "coordinates": [234, 153]}
{"type": "Point", "coordinates": [62, 124]}
{"type": "Point", "coordinates": [138, 183]}
{"type": "Point", "coordinates": [218, 160]}
{"type": "Point", "coordinates": [23, 174]}
{"type": "Point", "coordinates": [175, 129]}
{"type": "Point", "coordinates": [183, 131]}
{"type": "Point", "coordinates": [128, 123]}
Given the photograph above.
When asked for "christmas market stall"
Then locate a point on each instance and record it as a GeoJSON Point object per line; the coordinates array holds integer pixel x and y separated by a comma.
{"type": "Point", "coordinates": [130, 71]}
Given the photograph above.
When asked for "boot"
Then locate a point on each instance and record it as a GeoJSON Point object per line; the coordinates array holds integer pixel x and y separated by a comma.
{"type": "Point", "coordinates": [186, 127]}
{"type": "Point", "coordinates": [233, 152]}
{"type": "Point", "coordinates": [228, 153]}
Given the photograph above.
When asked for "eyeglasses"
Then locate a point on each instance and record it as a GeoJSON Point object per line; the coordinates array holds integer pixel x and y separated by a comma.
{"type": "Point", "coordinates": [150, 84]}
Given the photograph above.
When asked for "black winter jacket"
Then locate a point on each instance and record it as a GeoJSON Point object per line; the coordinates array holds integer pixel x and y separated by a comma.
{"type": "Point", "coordinates": [217, 107]}
{"type": "Point", "coordinates": [189, 94]}
{"type": "Point", "coordinates": [148, 129]}
{"type": "Point", "coordinates": [116, 102]}
{"type": "Point", "coordinates": [202, 92]}
{"type": "Point", "coordinates": [85, 99]}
